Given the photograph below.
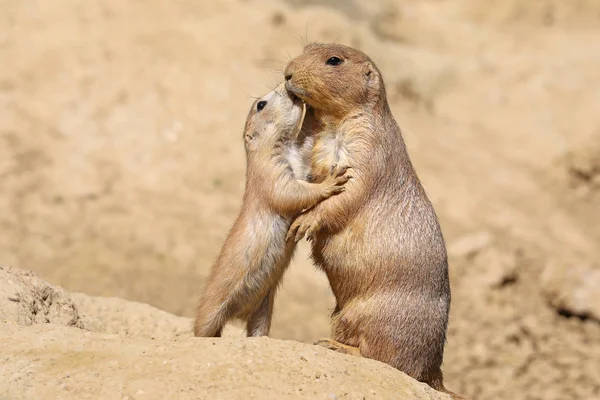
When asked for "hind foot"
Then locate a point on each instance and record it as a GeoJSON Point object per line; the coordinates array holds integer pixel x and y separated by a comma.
{"type": "Point", "coordinates": [338, 347]}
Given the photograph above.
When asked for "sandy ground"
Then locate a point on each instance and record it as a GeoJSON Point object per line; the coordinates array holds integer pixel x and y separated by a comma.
{"type": "Point", "coordinates": [59, 345]}
{"type": "Point", "coordinates": [122, 164]}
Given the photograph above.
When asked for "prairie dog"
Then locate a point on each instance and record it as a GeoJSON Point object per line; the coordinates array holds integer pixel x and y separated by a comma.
{"type": "Point", "coordinates": [243, 280]}
{"type": "Point", "coordinates": [380, 241]}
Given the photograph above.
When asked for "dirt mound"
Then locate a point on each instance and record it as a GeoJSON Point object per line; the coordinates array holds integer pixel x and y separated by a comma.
{"type": "Point", "coordinates": [44, 358]}
{"type": "Point", "coordinates": [25, 299]}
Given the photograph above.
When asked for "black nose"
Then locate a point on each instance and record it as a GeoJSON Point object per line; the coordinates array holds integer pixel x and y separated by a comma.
{"type": "Point", "coordinates": [288, 77]}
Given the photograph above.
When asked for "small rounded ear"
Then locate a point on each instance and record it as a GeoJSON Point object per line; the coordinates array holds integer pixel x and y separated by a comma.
{"type": "Point", "coordinates": [372, 78]}
{"type": "Point", "coordinates": [369, 71]}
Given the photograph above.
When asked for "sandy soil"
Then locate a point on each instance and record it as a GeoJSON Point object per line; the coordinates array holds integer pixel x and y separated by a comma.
{"type": "Point", "coordinates": [58, 345]}
{"type": "Point", "coordinates": [122, 165]}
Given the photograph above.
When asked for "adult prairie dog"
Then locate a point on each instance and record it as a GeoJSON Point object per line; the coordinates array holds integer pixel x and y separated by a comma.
{"type": "Point", "coordinates": [379, 242]}
{"type": "Point", "coordinates": [243, 281]}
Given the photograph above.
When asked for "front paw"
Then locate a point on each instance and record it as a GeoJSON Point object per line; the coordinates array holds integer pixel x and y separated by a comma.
{"type": "Point", "coordinates": [305, 225]}
{"type": "Point", "coordinates": [336, 181]}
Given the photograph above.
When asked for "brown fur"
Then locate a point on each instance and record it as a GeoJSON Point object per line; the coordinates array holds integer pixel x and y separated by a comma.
{"type": "Point", "coordinates": [243, 281]}
{"type": "Point", "coordinates": [379, 242]}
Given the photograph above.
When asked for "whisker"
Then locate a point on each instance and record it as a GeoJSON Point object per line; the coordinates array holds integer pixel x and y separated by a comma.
{"type": "Point", "coordinates": [299, 39]}
{"type": "Point", "coordinates": [286, 52]}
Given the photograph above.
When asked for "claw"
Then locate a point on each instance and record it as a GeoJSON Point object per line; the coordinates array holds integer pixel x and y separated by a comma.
{"type": "Point", "coordinates": [310, 232]}
{"type": "Point", "coordinates": [291, 232]}
{"type": "Point", "coordinates": [341, 171]}
{"type": "Point", "coordinates": [343, 180]}
{"type": "Point", "coordinates": [300, 234]}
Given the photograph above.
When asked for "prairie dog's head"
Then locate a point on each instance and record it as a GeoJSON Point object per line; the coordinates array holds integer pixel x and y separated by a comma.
{"type": "Point", "coordinates": [335, 79]}
{"type": "Point", "coordinates": [276, 115]}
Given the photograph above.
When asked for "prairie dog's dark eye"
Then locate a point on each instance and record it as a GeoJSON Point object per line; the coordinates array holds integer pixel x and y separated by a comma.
{"type": "Point", "coordinates": [334, 61]}
{"type": "Point", "coordinates": [261, 105]}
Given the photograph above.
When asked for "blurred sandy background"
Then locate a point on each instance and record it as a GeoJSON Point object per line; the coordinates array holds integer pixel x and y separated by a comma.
{"type": "Point", "coordinates": [122, 162]}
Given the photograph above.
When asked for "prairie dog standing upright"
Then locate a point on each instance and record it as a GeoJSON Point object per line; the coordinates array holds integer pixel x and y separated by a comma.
{"type": "Point", "coordinates": [243, 281]}
{"type": "Point", "coordinates": [379, 242]}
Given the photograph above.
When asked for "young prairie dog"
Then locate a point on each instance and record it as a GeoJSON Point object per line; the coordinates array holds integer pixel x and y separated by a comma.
{"type": "Point", "coordinates": [243, 281]}
{"type": "Point", "coordinates": [379, 242]}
